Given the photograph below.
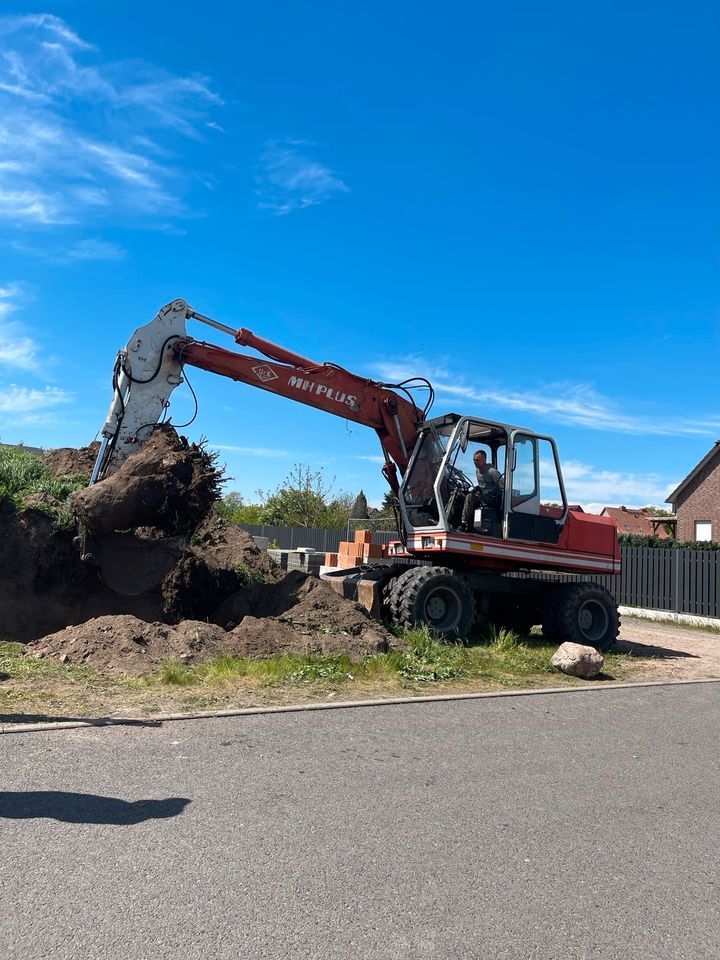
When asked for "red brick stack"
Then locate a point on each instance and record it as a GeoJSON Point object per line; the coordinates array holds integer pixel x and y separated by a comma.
{"type": "Point", "coordinates": [352, 554]}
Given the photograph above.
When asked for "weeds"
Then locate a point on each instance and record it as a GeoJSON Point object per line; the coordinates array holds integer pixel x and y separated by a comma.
{"type": "Point", "coordinates": [429, 660]}
{"type": "Point", "coordinates": [23, 474]}
{"type": "Point", "coordinates": [250, 575]}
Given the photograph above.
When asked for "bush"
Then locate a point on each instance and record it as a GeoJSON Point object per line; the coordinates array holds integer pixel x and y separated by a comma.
{"type": "Point", "coordinates": [638, 540]}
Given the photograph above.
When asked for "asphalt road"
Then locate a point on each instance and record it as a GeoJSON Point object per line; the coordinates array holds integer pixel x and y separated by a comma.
{"type": "Point", "coordinates": [566, 826]}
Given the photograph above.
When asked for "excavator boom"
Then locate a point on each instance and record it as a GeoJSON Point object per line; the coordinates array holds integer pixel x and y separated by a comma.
{"type": "Point", "coordinates": [150, 367]}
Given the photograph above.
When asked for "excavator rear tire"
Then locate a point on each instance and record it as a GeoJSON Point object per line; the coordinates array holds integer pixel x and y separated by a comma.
{"type": "Point", "coordinates": [582, 613]}
{"type": "Point", "coordinates": [436, 596]}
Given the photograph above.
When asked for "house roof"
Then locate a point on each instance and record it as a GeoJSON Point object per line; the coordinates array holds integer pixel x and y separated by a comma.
{"type": "Point", "coordinates": [672, 498]}
{"type": "Point", "coordinates": [643, 522]}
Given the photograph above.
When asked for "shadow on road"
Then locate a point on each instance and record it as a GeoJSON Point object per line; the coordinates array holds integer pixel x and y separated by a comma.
{"type": "Point", "coordinates": [86, 807]}
{"type": "Point", "coordinates": [650, 650]}
{"type": "Point", "coordinates": [92, 721]}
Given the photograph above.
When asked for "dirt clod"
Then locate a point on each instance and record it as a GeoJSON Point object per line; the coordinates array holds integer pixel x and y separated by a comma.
{"type": "Point", "coordinates": [72, 461]}
{"type": "Point", "coordinates": [167, 483]}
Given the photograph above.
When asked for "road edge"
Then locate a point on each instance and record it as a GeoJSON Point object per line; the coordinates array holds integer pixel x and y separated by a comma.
{"type": "Point", "coordinates": [157, 719]}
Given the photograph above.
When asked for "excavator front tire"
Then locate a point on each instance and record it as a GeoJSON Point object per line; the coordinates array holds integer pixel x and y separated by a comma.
{"type": "Point", "coordinates": [436, 596]}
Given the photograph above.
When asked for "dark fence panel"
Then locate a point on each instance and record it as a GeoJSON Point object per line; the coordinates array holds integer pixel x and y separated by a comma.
{"type": "Point", "coordinates": [681, 581]}
{"type": "Point", "coordinates": [326, 541]}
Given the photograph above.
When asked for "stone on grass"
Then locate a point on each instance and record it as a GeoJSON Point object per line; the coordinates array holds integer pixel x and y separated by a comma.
{"type": "Point", "coordinates": [578, 660]}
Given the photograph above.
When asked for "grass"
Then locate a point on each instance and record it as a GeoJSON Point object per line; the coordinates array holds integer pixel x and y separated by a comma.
{"type": "Point", "coordinates": [23, 473]}
{"type": "Point", "coordinates": [496, 660]}
{"type": "Point", "coordinates": [501, 657]}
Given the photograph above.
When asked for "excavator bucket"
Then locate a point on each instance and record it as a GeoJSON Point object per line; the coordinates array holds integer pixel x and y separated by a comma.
{"type": "Point", "coordinates": [131, 565]}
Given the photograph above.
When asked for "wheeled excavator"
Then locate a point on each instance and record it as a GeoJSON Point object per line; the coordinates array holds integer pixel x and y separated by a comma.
{"type": "Point", "coordinates": [506, 565]}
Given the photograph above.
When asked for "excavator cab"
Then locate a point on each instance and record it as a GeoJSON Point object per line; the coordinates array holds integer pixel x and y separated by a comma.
{"type": "Point", "coordinates": [528, 503]}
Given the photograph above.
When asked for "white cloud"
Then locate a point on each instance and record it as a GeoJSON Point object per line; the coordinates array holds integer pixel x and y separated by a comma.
{"type": "Point", "coordinates": [288, 179]}
{"type": "Point", "coordinates": [595, 488]}
{"type": "Point", "coordinates": [564, 402]}
{"type": "Point", "coordinates": [251, 451]}
{"type": "Point", "coordinates": [369, 458]}
{"type": "Point", "coordinates": [26, 403]}
{"type": "Point", "coordinates": [79, 135]}
{"type": "Point", "coordinates": [16, 348]}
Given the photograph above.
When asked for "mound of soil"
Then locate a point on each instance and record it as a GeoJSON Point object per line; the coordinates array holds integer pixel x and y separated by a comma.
{"type": "Point", "coordinates": [167, 483]}
{"type": "Point", "coordinates": [299, 615]}
{"type": "Point", "coordinates": [129, 645]}
{"type": "Point", "coordinates": [218, 591]}
{"type": "Point", "coordinates": [44, 585]}
{"type": "Point", "coordinates": [310, 618]}
{"type": "Point", "coordinates": [221, 560]}
{"type": "Point", "coordinates": [72, 461]}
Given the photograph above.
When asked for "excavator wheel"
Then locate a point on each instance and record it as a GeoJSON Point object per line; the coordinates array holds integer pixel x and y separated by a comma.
{"type": "Point", "coordinates": [436, 596]}
{"type": "Point", "coordinates": [581, 613]}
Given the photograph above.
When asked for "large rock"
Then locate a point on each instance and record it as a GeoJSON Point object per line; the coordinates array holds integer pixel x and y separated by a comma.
{"type": "Point", "coordinates": [578, 660]}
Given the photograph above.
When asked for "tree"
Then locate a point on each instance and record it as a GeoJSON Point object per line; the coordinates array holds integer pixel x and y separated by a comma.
{"type": "Point", "coordinates": [305, 499]}
{"type": "Point", "coordinates": [233, 508]}
{"type": "Point", "coordinates": [359, 509]}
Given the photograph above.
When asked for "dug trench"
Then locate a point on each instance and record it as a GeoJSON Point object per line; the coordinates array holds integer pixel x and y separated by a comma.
{"type": "Point", "coordinates": [220, 593]}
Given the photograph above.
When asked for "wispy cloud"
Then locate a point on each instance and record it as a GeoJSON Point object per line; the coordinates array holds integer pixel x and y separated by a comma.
{"type": "Point", "coordinates": [251, 451]}
{"type": "Point", "coordinates": [17, 349]}
{"type": "Point", "coordinates": [79, 134]}
{"type": "Point", "coordinates": [288, 179]}
{"type": "Point", "coordinates": [565, 402]}
{"type": "Point", "coordinates": [28, 404]}
{"type": "Point", "coordinates": [369, 458]}
{"type": "Point", "coordinates": [595, 488]}
{"type": "Point", "coordinates": [91, 249]}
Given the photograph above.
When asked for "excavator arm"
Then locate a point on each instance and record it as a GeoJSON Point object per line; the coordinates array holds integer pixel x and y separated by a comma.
{"type": "Point", "coordinates": [150, 367]}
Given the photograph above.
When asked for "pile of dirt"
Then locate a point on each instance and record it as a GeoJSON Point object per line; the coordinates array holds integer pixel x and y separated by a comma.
{"type": "Point", "coordinates": [129, 645]}
{"type": "Point", "coordinates": [71, 461]}
{"type": "Point", "coordinates": [220, 561]}
{"type": "Point", "coordinates": [318, 621]}
{"type": "Point", "coordinates": [168, 483]}
{"type": "Point", "coordinates": [219, 592]}
{"type": "Point", "coordinates": [300, 614]}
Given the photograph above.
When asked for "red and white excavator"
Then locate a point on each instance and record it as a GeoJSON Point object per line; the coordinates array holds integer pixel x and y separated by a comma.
{"type": "Point", "coordinates": [503, 567]}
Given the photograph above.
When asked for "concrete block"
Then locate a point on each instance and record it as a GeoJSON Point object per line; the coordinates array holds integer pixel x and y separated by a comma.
{"type": "Point", "coordinates": [368, 596]}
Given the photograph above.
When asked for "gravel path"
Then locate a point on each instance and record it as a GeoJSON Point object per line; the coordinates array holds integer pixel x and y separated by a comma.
{"type": "Point", "coordinates": [678, 652]}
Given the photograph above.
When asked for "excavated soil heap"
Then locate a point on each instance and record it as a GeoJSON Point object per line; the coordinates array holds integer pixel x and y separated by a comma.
{"type": "Point", "coordinates": [220, 561]}
{"type": "Point", "coordinates": [129, 645]}
{"type": "Point", "coordinates": [167, 483]}
{"type": "Point", "coordinates": [69, 461]}
{"type": "Point", "coordinates": [223, 594]}
{"type": "Point", "coordinates": [314, 619]}
{"type": "Point", "coordinates": [299, 614]}
{"type": "Point", "coordinates": [43, 583]}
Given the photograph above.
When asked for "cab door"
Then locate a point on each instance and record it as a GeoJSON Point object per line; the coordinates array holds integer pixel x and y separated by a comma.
{"type": "Point", "coordinates": [535, 501]}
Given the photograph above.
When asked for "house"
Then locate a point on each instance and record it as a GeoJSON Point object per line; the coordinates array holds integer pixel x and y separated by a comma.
{"type": "Point", "coordinates": [697, 500]}
{"type": "Point", "coordinates": [642, 522]}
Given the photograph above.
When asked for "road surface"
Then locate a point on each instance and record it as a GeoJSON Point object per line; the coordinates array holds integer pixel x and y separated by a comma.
{"type": "Point", "coordinates": [581, 825]}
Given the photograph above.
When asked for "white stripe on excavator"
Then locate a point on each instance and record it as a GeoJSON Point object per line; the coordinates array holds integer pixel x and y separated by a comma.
{"type": "Point", "coordinates": [495, 550]}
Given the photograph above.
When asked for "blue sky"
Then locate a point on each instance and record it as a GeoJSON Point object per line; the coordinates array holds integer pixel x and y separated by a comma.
{"type": "Point", "coordinates": [517, 200]}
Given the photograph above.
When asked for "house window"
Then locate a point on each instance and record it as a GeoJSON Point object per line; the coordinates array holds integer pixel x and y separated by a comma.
{"type": "Point", "coordinates": [703, 530]}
